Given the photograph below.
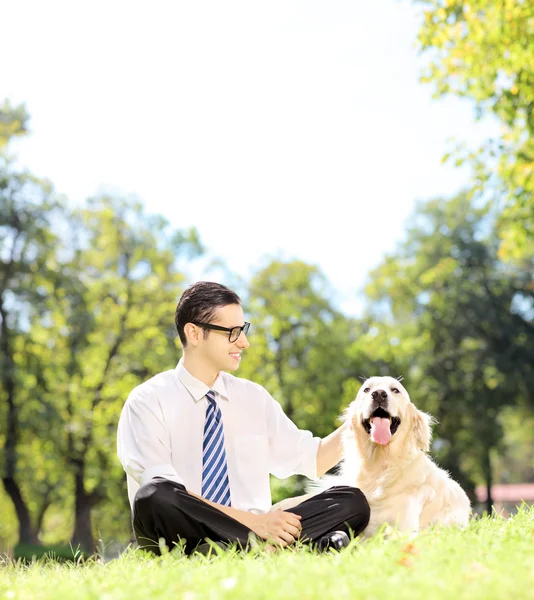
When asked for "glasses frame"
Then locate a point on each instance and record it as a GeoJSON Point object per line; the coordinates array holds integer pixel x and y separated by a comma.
{"type": "Point", "coordinates": [242, 329]}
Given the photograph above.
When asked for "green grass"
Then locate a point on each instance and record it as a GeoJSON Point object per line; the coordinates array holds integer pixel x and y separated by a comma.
{"type": "Point", "coordinates": [492, 559]}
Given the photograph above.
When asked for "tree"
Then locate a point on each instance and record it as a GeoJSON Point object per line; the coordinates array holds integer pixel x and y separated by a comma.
{"type": "Point", "coordinates": [13, 122]}
{"type": "Point", "coordinates": [484, 50]}
{"type": "Point", "coordinates": [27, 247]}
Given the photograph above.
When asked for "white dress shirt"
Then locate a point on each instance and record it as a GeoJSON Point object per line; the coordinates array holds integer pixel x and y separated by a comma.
{"type": "Point", "coordinates": [161, 429]}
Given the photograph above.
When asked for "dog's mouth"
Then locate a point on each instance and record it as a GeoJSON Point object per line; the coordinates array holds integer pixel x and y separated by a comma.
{"type": "Point", "coordinates": [381, 426]}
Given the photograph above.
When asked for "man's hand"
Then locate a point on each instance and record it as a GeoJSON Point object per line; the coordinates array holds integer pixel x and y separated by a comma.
{"type": "Point", "coordinates": [278, 527]}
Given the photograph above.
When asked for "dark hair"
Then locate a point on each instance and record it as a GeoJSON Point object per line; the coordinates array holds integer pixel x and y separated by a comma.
{"type": "Point", "coordinates": [199, 303]}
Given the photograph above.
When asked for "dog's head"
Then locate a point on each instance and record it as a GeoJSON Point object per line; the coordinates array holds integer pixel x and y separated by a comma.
{"type": "Point", "coordinates": [383, 414]}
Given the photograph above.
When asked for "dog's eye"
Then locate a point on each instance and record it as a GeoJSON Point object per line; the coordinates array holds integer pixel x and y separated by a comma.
{"type": "Point", "coordinates": [395, 391]}
{"type": "Point", "coordinates": [366, 390]}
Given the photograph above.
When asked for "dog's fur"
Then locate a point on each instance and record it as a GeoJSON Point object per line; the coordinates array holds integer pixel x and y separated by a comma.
{"type": "Point", "coordinates": [402, 484]}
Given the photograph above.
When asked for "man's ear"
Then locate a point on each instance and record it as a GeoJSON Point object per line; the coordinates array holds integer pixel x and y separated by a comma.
{"type": "Point", "coordinates": [192, 333]}
{"type": "Point", "coordinates": [421, 427]}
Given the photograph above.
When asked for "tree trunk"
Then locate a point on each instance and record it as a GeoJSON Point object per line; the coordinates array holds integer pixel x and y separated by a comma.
{"type": "Point", "coordinates": [83, 530]}
{"type": "Point", "coordinates": [279, 370]}
{"type": "Point", "coordinates": [489, 481]}
{"type": "Point", "coordinates": [27, 533]}
{"type": "Point", "coordinates": [42, 510]}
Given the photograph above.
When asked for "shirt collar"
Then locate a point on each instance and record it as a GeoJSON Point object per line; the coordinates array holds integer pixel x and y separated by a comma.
{"type": "Point", "coordinates": [196, 388]}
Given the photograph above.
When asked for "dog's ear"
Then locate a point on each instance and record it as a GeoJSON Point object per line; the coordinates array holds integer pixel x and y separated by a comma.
{"type": "Point", "coordinates": [351, 417]}
{"type": "Point", "coordinates": [421, 427]}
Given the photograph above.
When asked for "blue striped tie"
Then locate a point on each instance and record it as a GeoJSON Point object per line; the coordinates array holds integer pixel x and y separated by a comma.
{"type": "Point", "coordinates": [215, 483]}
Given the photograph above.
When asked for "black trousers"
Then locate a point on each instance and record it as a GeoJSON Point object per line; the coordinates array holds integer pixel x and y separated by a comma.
{"type": "Point", "coordinates": [164, 509]}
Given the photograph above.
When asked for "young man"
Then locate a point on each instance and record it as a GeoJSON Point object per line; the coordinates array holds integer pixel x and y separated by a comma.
{"type": "Point", "coordinates": [198, 445]}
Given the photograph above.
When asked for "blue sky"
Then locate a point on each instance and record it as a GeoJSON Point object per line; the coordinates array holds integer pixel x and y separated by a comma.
{"type": "Point", "coordinates": [288, 129]}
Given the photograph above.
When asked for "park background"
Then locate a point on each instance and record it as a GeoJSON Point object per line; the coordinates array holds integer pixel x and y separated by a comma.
{"type": "Point", "coordinates": [362, 175]}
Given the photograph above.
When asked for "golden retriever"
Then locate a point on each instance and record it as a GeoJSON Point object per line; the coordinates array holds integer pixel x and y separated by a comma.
{"type": "Point", "coordinates": [385, 455]}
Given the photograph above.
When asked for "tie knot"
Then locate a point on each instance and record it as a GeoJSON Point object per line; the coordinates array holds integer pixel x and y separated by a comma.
{"type": "Point", "coordinates": [211, 397]}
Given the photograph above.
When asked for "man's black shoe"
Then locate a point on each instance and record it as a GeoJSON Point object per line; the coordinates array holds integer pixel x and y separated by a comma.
{"type": "Point", "coordinates": [335, 539]}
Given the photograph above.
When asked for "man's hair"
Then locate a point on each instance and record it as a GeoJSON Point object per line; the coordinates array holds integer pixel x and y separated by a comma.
{"type": "Point", "coordinates": [199, 303]}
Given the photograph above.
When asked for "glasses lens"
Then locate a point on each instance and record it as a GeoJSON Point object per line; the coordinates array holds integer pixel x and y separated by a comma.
{"type": "Point", "coordinates": [236, 332]}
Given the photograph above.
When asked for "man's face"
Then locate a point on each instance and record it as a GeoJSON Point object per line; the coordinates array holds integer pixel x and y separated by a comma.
{"type": "Point", "coordinates": [216, 348]}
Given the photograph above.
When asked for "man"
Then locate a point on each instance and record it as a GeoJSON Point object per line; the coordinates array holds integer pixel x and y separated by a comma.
{"type": "Point", "coordinates": [198, 445]}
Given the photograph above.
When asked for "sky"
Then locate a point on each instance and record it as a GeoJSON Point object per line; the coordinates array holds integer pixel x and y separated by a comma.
{"type": "Point", "coordinates": [287, 129]}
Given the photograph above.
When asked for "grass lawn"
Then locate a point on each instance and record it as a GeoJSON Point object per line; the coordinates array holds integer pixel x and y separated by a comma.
{"type": "Point", "coordinates": [492, 559]}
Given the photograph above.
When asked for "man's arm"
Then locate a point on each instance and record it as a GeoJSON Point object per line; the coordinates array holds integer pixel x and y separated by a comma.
{"type": "Point", "coordinates": [143, 445]}
{"type": "Point", "coordinates": [330, 451]}
{"type": "Point", "coordinates": [295, 451]}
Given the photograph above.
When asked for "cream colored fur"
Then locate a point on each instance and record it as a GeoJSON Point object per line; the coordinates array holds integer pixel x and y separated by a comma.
{"type": "Point", "coordinates": [402, 484]}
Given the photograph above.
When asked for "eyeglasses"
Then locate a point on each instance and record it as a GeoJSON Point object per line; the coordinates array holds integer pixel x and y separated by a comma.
{"type": "Point", "coordinates": [233, 332]}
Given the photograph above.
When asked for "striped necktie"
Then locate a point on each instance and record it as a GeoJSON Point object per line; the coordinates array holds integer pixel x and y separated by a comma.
{"type": "Point", "coordinates": [215, 483]}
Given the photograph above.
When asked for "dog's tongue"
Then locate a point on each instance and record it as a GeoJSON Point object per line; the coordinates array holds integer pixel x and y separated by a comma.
{"type": "Point", "coordinates": [380, 432]}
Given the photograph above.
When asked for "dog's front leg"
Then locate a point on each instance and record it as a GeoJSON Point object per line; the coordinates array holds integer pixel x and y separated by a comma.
{"type": "Point", "coordinates": [408, 513]}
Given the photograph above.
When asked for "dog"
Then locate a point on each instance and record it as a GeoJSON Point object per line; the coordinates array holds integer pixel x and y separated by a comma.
{"type": "Point", "coordinates": [385, 445]}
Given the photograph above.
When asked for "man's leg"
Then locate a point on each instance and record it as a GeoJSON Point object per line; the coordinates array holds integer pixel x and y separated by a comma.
{"type": "Point", "coordinates": [340, 508]}
{"type": "Point", "coordinates": [164, 509]}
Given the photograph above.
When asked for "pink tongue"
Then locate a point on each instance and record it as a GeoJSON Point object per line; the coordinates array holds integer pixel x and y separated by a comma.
{"type": "Point", "coordinates": [380, 433]}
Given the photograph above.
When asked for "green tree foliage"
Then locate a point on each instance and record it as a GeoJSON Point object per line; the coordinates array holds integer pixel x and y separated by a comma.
{"type": "Point", "coordinates": [28, 210]}
{"type": "Point", "coordinates": [484, 50]}
{"type": "Point", "coordinates": [515, 462]}
{"type": "Point", "coordinates": [13, 122]}
{"type": "Point", "coordinates": [299, 341]}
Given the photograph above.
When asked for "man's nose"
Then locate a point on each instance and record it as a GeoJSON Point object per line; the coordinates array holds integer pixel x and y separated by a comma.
{"type": "Point", "coordinates": [379, 395]}
{"type": "Point", "coordinates": [242, 340]}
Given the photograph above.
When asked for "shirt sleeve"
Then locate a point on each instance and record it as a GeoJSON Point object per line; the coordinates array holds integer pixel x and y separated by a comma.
{"type": "Point", "coordinates": [143, 441]}
{"type": "Point", "coordinates": [292, 451]}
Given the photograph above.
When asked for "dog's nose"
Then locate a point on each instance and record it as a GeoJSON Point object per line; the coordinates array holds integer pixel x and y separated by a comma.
{"type": "Point", "coordinates": [379, 395]}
